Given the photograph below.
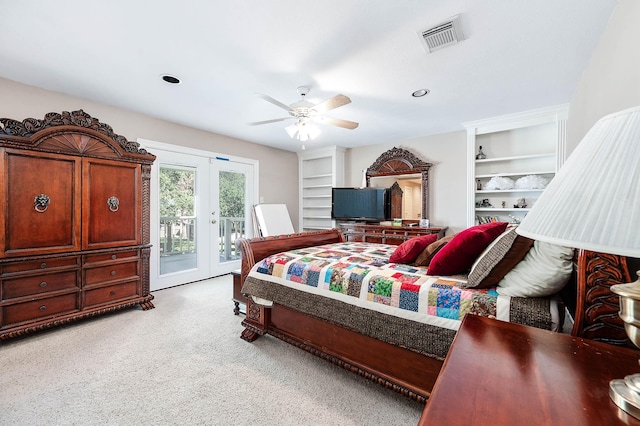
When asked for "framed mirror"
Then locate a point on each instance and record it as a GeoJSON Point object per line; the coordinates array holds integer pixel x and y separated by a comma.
{"type": "Point", "coordinates": [400, 166]}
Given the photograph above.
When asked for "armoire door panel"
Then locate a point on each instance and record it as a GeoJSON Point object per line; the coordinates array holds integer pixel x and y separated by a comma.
{"type": "Point", "coordinates": [44, 213]}
{"type": "Point", "coordinates": [111, 204]}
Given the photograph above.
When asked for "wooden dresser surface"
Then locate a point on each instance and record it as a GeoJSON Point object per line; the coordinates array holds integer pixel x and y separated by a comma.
{"type": "Point", "coordinates": [498, 373]}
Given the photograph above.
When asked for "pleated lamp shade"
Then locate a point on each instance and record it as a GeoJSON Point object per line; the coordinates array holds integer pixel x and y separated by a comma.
{"type": "Point", "coordinates": [593, 202]}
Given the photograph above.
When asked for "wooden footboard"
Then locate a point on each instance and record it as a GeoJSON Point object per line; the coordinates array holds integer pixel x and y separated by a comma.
{"type": "Point", "coordinates": [402, 370]}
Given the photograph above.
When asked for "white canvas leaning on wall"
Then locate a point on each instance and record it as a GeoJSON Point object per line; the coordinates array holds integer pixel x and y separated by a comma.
{"type": "Point", "coordinates": [273, 219]}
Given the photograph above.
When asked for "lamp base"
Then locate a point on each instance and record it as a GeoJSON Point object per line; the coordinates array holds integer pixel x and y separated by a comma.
{"type": "Point", "coordinates": [626, 394]}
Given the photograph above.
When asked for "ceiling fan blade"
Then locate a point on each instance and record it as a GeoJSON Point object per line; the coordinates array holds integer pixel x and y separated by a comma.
{"type": "Point", "coordinates": [331, 103]}
{"type": "Point", "coordinates": [275, 120]}
{"type": "Point", "coordinates": [274, 101]}
{"type": "Point", "coordinates": [338, 122]}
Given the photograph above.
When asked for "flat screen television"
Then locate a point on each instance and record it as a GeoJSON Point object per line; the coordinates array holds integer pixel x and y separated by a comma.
{"type": "Point", "coordinates": [366, 204]}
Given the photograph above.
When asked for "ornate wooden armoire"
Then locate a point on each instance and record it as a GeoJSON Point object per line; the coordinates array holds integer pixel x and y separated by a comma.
{"type": "Point", "coordinates": [75, 222]}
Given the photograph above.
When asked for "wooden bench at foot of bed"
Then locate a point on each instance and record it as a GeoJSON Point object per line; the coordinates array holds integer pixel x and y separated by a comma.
{"type": "Point", "coordinates": [408, 372]}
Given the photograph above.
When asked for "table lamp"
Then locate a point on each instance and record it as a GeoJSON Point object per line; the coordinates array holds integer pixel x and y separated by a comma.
{"type": "Point", "coordinates": [593, 203]}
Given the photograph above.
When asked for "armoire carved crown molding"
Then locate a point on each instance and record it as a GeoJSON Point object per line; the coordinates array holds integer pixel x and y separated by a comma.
{"type": "Point", "coordinates": [29, 126]}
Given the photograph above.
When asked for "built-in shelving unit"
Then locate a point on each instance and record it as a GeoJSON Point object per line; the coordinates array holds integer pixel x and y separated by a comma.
{"type": "Point", "coordinates": [319, 171]}
{"type": "Point", "coordinates": [515, 146]}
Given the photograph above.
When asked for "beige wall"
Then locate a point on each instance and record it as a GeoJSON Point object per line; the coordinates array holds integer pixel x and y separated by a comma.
{"type": "Point", "coordinates": [611, 81]}
{"type": "Point", "coordinates": [19, 101]}
{"type": "Point", "coordinates": [447, 177]}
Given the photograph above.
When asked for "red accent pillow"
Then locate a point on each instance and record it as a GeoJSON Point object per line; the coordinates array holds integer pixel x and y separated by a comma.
{"type": "Point", "coordinates": [458, 255]}
{"type": "Point", "coordinates": [410, 249]}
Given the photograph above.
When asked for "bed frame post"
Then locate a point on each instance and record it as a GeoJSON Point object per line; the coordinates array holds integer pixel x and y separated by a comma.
{"type": "Point", "coordinates": [596, 314]}
{"type": "Point", "coordinates": [255, 322]}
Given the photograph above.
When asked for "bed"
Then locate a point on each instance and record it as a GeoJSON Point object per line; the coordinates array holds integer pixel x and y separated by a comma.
{"type": "Point", "coordinates": [287, 300]}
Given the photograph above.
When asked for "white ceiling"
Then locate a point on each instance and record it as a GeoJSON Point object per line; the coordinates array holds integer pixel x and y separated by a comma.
{"type": "Point", "coordinates": [517, 55]}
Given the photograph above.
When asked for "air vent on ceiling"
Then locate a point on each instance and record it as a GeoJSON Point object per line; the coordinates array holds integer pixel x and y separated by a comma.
{"type": "Point", "coordinates": [442, 35]}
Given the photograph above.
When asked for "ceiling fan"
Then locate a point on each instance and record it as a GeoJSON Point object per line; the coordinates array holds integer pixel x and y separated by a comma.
{"type": "Point", "coordinates": [305, 113]}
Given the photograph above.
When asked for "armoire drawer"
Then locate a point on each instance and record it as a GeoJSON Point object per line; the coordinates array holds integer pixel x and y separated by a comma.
{"type": "Point", "coordinates": [105, 257]}
{"type": "Point", "coordinates": [112, 293]}
{"type": "Point", "coordinates": [38, 284]}
{"type": "Point", "coordinates": [40, 265]}
{"type": "Point", "coordinates": [36, 309]}
{"type": "Point", "coordinates": [111, 272]}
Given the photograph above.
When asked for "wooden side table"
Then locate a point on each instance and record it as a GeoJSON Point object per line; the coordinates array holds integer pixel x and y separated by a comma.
{"type": "Point", "coordinates": [499, 373]}
{"type": "Point", "coordinates": [238, 297]}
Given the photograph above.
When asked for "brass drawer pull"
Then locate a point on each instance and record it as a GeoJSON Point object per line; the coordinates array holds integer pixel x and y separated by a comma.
{"type": "Point", "coordinates": [43, 284]}
{"type": "Point", "coordinates": [113, 203]}
{"type": "Point", "coordinates": [41, 203]}
{"type": "Point", "coordinates": [43, 308]}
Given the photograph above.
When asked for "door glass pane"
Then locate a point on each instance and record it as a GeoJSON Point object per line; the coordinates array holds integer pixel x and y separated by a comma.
{"type": "Point", "coordinates": [232, 214]}
{"type": "Point", "coordinates": [177, 218]}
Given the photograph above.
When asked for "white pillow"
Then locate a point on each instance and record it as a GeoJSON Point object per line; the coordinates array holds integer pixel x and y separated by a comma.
{"type": "Point", "coordinates": [544, 271]}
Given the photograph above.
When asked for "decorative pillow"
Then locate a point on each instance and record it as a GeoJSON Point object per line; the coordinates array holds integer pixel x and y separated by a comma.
{"type": "Point", "coordinates": [459, 254]}
{"type": "Point", "coordinates": [429, 251]}
{"type": "Point", "coordinates": [498, 259]}
{"type": "Point", "coordinates": [544, 271]}
{"type": "Point", "coordinates": [410, 249]}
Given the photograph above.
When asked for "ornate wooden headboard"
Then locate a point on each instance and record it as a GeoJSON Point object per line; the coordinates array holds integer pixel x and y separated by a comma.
{"type": "Point", "coordinates": [596, 311]}
{"type": "Point", "coordinates": [398, 161]}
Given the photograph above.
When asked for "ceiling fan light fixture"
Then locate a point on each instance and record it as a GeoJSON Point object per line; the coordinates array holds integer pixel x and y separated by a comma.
{"type": "Point", "coordinates": [303, 131]}
{"type": "Point", "coordinates": [420, 93]}
{"type": "Point", "coordinates": [313, 131]}
{"type": "Point", "coordinates": [292, 130]}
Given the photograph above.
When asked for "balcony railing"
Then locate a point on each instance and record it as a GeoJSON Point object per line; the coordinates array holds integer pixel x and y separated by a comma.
{"type": "Point", "coordinates": [231, 228]}
{"type": "Point", "coordinates": [178, 236]}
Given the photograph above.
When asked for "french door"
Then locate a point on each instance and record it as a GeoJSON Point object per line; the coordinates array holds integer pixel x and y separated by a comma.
{"type": "Point", "coordinates": [200, 204]}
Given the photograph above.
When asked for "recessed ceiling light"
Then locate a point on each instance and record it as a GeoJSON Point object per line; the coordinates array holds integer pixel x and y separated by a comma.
{"type": "Point", "coordinates": [170, 79]}
{"type": "Point", "coordinates": [420, 93]}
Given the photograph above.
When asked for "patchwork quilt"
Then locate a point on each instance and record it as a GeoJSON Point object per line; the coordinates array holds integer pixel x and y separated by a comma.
{"type": "Point", "coordinates": [360, 274]}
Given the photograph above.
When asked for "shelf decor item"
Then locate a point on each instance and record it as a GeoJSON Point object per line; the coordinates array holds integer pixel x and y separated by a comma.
{"type": "Point", "coordinates": [531, 182]}
{"type": "Point", "coordinates": [515, 219]}
{"type": "Point", "coordinates": [481, 155]}
{"type": "Point", "coordinates": [599, 180]}
{"type": "Point", "coordinates": [521, 204]}
{"type": "Point", "coordinates": [500, 183]}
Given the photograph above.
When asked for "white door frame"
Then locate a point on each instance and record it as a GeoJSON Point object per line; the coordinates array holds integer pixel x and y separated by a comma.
{"type": "Point", "coordinates": [210, 157]}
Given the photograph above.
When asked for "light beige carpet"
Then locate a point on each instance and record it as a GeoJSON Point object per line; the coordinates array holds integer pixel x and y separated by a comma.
{"type": "Point", "coordinates": [182, 363]}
